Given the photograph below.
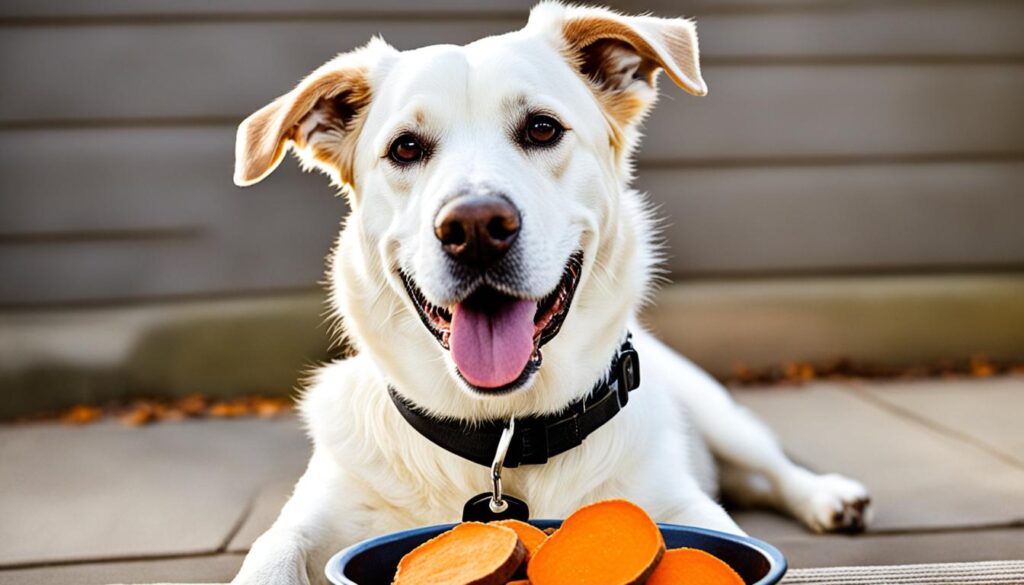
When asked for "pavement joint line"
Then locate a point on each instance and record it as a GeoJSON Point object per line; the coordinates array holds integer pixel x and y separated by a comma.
{"type": "Point", "coordinates": [239, 522]}
{"type": "Point", "coordinates": [898, 532]}
{"type": "Point", "coordinates": [858, 390]}
{"type": "Point", "coordinates": [113, 559]}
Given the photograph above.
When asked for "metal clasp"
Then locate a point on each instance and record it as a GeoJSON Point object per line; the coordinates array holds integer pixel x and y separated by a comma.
{"type": "Point", "coordinates": [498, 503]}
{"type": "Point", "coordinates": [628, 375]}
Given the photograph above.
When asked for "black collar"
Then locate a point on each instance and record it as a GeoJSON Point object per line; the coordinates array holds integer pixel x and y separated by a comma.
{"type": "Point", "coordinates": [536, 438]}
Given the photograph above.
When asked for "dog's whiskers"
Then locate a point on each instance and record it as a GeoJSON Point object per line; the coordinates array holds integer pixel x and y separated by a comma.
{"type": "Point", "coordinates": [603, 277]}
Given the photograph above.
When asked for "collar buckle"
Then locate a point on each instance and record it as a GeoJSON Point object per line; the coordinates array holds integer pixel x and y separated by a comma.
{"type": "Point", "coordinates": [627, 375]}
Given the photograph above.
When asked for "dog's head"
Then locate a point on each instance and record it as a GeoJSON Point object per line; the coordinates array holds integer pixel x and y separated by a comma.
{"type": "Point", "coordinates": [491, 226]}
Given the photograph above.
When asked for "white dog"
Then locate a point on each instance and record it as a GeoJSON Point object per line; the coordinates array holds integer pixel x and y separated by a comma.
{"type": "Point", "coordinates": [492, 267]}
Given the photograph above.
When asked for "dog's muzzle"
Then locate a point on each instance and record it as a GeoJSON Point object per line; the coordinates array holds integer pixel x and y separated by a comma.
{"type": "Point", "coordinates": [495, 337]}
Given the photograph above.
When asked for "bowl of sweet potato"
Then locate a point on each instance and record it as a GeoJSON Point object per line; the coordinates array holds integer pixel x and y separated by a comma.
{"type": "Point", "coordinates": [613, 542]}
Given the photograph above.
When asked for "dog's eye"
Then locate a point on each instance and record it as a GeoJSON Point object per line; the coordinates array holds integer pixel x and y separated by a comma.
{"type": "Point", "coordinates": [406, 149]}
{"type": "Point", "coordinates": [542, 130]}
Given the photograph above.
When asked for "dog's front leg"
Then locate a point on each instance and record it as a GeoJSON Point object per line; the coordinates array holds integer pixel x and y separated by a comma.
{"type": "Point", "coordinates": [694, 507]}
{"type": "Point", "coordinates": [754, 468]}
{"type": "Point", "coordinates": [322, 516]}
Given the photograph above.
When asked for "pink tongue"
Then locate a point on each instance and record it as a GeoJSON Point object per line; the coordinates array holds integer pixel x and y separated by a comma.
{"type": "Point", "coordinates": [492, 348]}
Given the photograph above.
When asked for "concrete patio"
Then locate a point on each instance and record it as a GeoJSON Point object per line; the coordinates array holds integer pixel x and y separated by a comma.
{"type": "Point", "coordinates": [183, 501]}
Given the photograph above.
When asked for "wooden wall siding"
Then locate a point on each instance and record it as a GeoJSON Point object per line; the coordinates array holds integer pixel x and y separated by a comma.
{"type": "Point", "coordinates": [155, 214]}
{"type": "Point", "coordinates": [839, 136]}
{"type": "Point", "coordinates": [841, 218]}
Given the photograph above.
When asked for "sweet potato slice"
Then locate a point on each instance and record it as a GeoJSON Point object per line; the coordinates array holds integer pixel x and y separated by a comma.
{"type": "Point", "coordinates": [469, 554]}
{"type": "Point", "coordinates": [607, 543]}
{"type": "Point", "coordinates": [531, 536]}
{"type": "Point", "coordinates": [693, 567]}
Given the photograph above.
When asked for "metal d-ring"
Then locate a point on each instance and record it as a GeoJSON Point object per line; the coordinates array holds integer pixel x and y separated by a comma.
{"type": "Point", "coordinates": [497, 503]}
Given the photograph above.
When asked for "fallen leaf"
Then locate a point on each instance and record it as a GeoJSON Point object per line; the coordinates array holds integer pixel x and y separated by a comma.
{"type": "Point", "coordinates": [81, 415]}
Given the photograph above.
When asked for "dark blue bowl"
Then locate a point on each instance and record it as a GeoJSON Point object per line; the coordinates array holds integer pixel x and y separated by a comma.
{"type": "Point", "coordinates": [373, 561]}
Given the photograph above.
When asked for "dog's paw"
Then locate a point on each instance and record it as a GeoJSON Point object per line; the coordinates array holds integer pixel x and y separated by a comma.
{"type": "Point", "coordinates": [834, 503]}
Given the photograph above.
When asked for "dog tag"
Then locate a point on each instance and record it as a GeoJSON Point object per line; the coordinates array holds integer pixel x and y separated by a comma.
{"type": "Point", "coordinates": [479, 509]}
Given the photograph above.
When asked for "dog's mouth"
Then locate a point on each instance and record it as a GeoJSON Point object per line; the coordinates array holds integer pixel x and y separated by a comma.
{"type": "Point", "coordinates": [495, 338]}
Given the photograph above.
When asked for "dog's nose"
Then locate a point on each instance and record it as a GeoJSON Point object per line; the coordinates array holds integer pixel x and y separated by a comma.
{"type": "Point", "coordinates": [477, 230]}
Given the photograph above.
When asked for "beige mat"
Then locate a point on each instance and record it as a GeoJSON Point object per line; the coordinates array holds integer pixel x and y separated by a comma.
{"type": "Point", "coordinates": [996, 572]}
{"type": "Point", "coordinates": [984, 573]}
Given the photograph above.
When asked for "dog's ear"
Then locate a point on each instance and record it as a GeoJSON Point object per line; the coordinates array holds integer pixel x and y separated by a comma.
{"type": "Point", "coordinates": [319, 119]}
{"type": "Point", "coordinates": [622, 55]}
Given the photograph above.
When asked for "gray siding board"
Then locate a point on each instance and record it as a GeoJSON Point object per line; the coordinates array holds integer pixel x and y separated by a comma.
{"type": "Point", "coordinates": [270, 246]}
{"type": "Point", "coordinates": [189, 229]}
{"type": "Point", "coordinates": [228, 263]}
{"type": "Point", "coordinates": [46, 273]}
{"type": "Point", "coordinates": [874, 31]}
{"type": "Point", "coordinates": [841, 218]}
{"type": "Point", "coordinates": [835, 111]}
{"type": "Point", "coordinates": [928, 20]}
{"type": "Point", "coordinates": [132, 8]}
{"type": "Point", "coordinates": [99, 179]}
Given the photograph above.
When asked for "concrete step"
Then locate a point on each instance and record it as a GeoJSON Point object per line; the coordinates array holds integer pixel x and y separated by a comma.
{"type": "Point", "coordinates": [57, 357]}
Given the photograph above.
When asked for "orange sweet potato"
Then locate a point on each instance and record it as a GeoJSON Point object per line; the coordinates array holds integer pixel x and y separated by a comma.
{"type": "Point", "coordinates": [469, 554]}
{"type": "Point", "coordinates": [607, 543]}
{"type": "Point", "coordinates": [531, 536]}
{"type": "Point", "coordinates": [518, 582]}
{"type": "Point", "coordinates": [693, 567]}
